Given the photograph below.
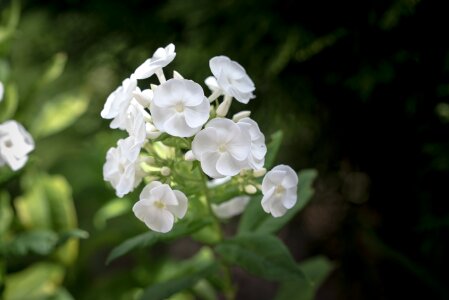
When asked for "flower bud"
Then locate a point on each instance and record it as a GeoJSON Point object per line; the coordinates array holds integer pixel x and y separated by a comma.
{"type": "Point", "coordinates": [143, 97]}
{"type": "Point", "coordinates": [250, 189]}
{"type": "Point", "coordinates": [165, 171]}
{"type": "Point", "coordinates": [260, 172]}
{"type": "Point", "coordinates": [223, 108]}
{"type": "Point", "coordinates": [152, 132]}
{"type": "Point", "coordinates": [243, 114]}
{"type": "Point", "coordinates": [153, 87]}
{"type": "Point", "coordinates": [176, 75]}
{"type": "Point", "coordinates": [150, 160]}
{"type": "Point", "coordinates": [189, 156]}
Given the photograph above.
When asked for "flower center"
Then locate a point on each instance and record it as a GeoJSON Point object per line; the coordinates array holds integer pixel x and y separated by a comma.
{"type": "Point", "coordinates": [8, 143]}
{"type": "Point", "coordinates": [279, 190]}
{"type": "Point", "coordinates": [159, 204]}
{"type": "Point", "coordinates": [222, 148]}
{"type": "Point", "coordinates": [179, 107]}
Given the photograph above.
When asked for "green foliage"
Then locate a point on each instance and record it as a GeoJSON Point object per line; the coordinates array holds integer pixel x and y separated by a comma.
{"type": "Point", "coordinates": [58, 114]}
{"type": "Point", "coordinates": [185, 281]}
{"type": "Point", "coordinates": [36, 282]}
{"type": "Point", "coordinates": [254, 219]}
{"type": "Point", "coordinates": [262, 255]}
{"type": "Point", "coordinates": [316, 270]}
{"type": "Point", "coordinates": [182, 228]}
{"type": "Point", "coordinates": [273, 148]}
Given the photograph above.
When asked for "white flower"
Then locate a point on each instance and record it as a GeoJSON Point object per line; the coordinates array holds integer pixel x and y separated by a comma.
{"type": "Point", "coordinates": [15, 144]}
{"type": "Point", "coordinates": [143, 97]}
{"type": "Point", "coordinates": [121, 168]}
{"type": "Point", "coordinates": [159, 205]}
{"type": "Point", "coordinates": [231, 208]}
{"type": "Point", "coordinates": [222, 148]}
{"type": "Point", "coordinates": [161, 58]}
{"type": "Point", "coordinates": [231, 78]}
{"type": "Point", "coordinates": [256, 159]}
{"type": "Point", "coordinates": [179, 107]}
{"type": "Point", "coordinates": [135, 123]}
{"type": "Point", "coordinates": [2, 89]}
{"type": "Point", "coordinates": [116, 106]}
{"type": "Point", "coordinates": [279, 188]}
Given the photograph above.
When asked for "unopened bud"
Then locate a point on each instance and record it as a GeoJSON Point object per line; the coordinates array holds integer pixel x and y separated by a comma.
{"type": "Point", "coordinates": [223, 108]}
{"type": "Point", "coordinates": [243, 114]}
{"type": "Point", "coordinates": [153, 87]}
{"type": "Point", "coordinates": [165, 171]}
{"type": "Point", "coordinates": [152, 132]}
{"type": "Point", "coordinates": [176, 75]}
{"type": "Point", "coordinates": [189, 156]}
{"type": "Point", "coordinates": [260, 172]}
{"type": "Point", "coordinates": [150, 160]}
{"type": "Point", "coordinates": [250, 189]}
{"type": "Point", "coordinates": [143, 97]}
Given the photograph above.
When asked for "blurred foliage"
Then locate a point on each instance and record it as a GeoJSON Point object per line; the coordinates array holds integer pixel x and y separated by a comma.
{"type": "Point", "coordinates": [359, 89]}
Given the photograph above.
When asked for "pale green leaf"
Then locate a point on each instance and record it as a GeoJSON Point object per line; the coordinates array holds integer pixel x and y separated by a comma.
{"type": "Point", "coordinates": [10, 102]}
{"type": "Point", "coordinates": [38, 281]}
{"type": "Point", "coordinates": [59, 114]}
{"type": "Point", "coordinates": [262, 255]}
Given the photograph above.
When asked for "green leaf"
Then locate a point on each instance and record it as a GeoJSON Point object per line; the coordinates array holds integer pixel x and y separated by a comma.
{"type": "Point", "coordinates": [41, 280]}
{"type": "Point", "coordinates": [55, 68]}
{"type": "Point", "coordinates": [41, 242]}
{"type": "Point", "coordinates": [273, 148]}
{"type": "Point", "coordinates": [173, 286]}
{"type": "Point", "coordinates": [72, 234]}
{"type": "Point", "coordinates": [316, 269]}
{"type": "Point", "coordinates": [254, 218]}
{"type": "Point", "coordinates": [114, 208]}
{"type": "Point", "coordinates": [6, 213]}
{"type": "Point", "coordinates": [148, 239]}
{"type": "Point", "coordinates": [48, 204]}
{"type": "Point", "coordinates": [262, 255]}
{"type": "Point", "coordinates": [59, 114]}
{"type": "Point", "coordinates": [9, 103]}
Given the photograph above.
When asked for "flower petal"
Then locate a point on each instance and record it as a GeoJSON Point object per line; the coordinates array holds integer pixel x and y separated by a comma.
{"type": "Point", "coordinates": [208, 164]}
{"type": "Point", "coordinates": [180, 209]}
{"type": "Point", "coordinates": [204, 141]}
{"type": "Point", "coordinates": [227, 165]}
{"type": "Point", "coordinates": [160, 220]}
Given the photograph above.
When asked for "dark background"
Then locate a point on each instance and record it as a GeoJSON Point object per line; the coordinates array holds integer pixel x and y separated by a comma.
{"type": "Point", "coordinates": [360, 89]}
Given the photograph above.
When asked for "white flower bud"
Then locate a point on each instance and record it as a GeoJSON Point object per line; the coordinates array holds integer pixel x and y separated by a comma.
{"type": "Point", "coordinates": [223, 108]}
{"type": "Point", "coordinates": [176, 75]}
{"type": "Point", "coordinates": [143, 97]}
{"type": "Point", "coordinates": [153, 87]}
{"type": "Point", "coordinates": [189, 156]}
{"type": "Point", "coordinates": [243, 114]}
{"type": "Point", "coordinates": [250, 189]}
{"type": "Point", "coordinates": [259, 172]}
{"type": "Point", "coordinates": [150, 160]}
{"type": "Point", "coordinates": [165, 171]}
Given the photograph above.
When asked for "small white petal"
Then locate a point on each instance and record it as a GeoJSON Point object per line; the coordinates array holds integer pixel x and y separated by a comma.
{"type": "Point", "coordinates": [179, 210]}
{"type": "Point", "coordinates": [159, 220]}
{"type": "Point", "coordinates": [227, 165]}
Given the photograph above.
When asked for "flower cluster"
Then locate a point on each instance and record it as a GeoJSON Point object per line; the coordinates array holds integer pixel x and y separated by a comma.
{"type": "Point", "coordinates": [173, 126]}
{"type": "Point", "coordinates": [15, 142]}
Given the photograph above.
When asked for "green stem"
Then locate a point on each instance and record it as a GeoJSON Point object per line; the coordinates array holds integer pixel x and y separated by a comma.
{"type": "Point", "coordinates": [229, 287]}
